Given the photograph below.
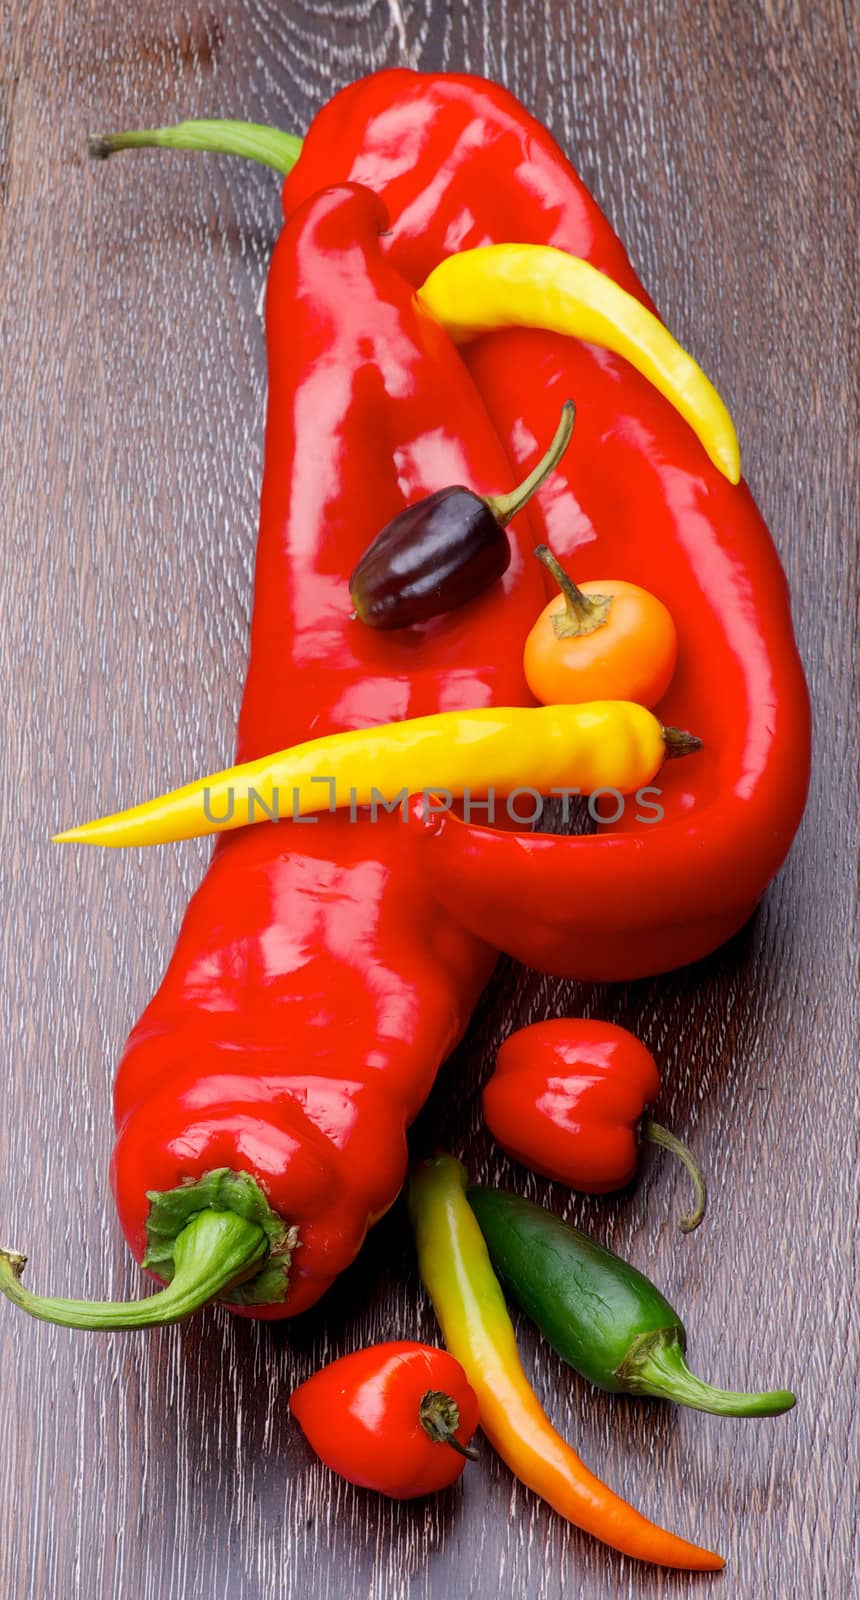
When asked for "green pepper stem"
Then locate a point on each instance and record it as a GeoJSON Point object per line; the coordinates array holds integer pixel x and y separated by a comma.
{"type": "Point", "coordinates": [655, 1133]}
{"type": "Point", "coordinates": [439, 1416]}
{"type": "Point", "coordinates": [268, 145]}
{"type": "Point", "coordinates": [655, 1365]}
{"type": "Point", "coordinates": [506, 506]}
{"type": "Point", "coordinates": [583, 613]}
{"type": "Point", "coordinates": [214, 1250]}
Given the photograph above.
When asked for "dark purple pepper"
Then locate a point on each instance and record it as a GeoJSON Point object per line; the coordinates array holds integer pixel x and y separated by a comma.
{"type": "Point", "coordinates": [444, 550]}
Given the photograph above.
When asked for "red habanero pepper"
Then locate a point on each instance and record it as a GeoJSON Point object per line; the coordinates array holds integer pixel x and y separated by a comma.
{"type": "Point", "coordinates": [459, 164]}
{"type": "Point", "coordinates": [567, 1099]}
{"type": "Point", "coordinates": [308, 1003]}
{"type": "Point", "coordinates": [395, 1417]}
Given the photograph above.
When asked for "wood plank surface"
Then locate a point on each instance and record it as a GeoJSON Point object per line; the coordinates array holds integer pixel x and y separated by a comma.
{"type": "Point", "coordinates": [722, 141]}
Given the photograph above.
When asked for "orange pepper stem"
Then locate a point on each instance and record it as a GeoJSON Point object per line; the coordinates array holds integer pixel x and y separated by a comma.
{"type": "Point", "coordinates": [583, 613]}
{"type": "Point", "coordinates": [655, 1133]}
{"type": "Point", "coordinates": [506, 506]}
{"type": "Point", "coordinates": [439, 1416]}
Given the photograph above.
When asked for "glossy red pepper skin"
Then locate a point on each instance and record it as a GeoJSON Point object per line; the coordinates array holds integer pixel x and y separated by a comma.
{"type": "Point", "coordinates": [310, 998]}
{"type": "Point", "coordinates": [460, 163]}
{"type": "Point", "coordinates": [361, 1416]}
{"type": "Point", "coordinates": [565, 1099]}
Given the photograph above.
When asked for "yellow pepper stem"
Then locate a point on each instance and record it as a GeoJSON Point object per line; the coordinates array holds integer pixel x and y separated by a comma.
{"type": "Point", "coordinates": [537, 286]}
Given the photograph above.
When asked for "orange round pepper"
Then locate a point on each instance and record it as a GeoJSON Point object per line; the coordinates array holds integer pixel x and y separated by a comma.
{"type": "Point", "coordinates": [605, 639]}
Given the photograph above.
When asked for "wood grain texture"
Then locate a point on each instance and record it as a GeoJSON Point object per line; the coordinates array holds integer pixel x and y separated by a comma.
{"type": "Point", "coordinates": [722, 141]}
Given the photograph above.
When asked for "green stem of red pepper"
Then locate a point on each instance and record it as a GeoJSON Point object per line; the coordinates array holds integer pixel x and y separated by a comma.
{"type": "Point", "coordinates": [252, 139]}
{"type": "Point", "coordinates": [214, 1250]}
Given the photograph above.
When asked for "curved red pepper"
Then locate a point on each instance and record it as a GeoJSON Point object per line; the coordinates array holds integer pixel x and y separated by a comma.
{"type": "Point", "coordinates": [309, 1002]}
{"type": "Point", "coordinates": [460, 163]}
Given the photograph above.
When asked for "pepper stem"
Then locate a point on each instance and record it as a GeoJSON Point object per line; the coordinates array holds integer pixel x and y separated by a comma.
{"type": "Point", "coordinates": [655, 1365]}
{"type": "Point", "coordinates": [214, 1250]}
{"type": "Point", "coordinates": [439, 1416]}
{"type": "Point", "coordinates": [506, 506]}
{"type": "Point", "coordinates": [680, 743]}
{"type": "Point", "coordinates": [268, 145]}
{"type": "Point", "coordinates": [583, 613]}
{"type": "Point", "coordinates": [655, 1133]}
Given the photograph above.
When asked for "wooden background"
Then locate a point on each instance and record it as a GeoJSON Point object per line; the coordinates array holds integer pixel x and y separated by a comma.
{"type": "Point", "coordinates": [722, 141]}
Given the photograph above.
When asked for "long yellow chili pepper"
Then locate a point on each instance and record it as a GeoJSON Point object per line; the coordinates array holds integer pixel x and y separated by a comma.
{"type": "Point", "coordinates": [470, 1307]}
{"type": "Point", "coordinates": [537, 286]}
{"type": "Point", "coordinates": [604, 744]}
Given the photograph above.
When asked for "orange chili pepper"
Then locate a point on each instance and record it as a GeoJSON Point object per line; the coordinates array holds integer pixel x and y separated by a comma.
{"type": "Point", "coordinates": [607, 639]}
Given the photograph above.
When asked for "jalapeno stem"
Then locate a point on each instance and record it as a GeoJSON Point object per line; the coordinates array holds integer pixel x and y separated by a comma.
{"type": "Point", "coordinates": [506, 506]}
{"type": "Point", "coordinates": [214, 1250]}
{"type": "Point", "coordinates": [268, 145]}
{"type": "Point", "coordinates": [655, 1133]}
{"type": "Point", "coordinates": [655, 1365]}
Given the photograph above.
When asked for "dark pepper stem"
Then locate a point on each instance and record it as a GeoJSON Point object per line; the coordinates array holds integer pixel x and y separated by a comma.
{"type": "Point", "coordinates": [506, 506]}
{"type": "Point", "coordinates": [583, 613]}
{"type": "Point", "coordinates": [214, 1250]}
{"type": "Point", "coordinates": [680, 743]}
{"type": "Point", "coordinates": [439, 1416]}
{"type": "Point", "coordinates": [655, 1133]}
{"type": "Point", "coordinates": [268, 145]}
{"type": "Point", "coordinates": [655, 1365]}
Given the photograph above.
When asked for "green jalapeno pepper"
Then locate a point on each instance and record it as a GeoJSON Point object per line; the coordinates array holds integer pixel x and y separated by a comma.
{"type": "Point", "coordinates": [602, 1316]}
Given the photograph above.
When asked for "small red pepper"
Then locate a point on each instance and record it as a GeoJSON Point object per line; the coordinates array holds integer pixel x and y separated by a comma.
{"type": "Point", "coordinates": [395, 1417]}
{"type": "Point", "coordinates": [567, 1100]}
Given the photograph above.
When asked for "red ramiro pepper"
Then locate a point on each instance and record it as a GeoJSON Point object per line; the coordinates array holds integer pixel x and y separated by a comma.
{"type": "Point", "coordinates": [308, 1003]}
{"type": "Point", "coordinates": [306, 1008]}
